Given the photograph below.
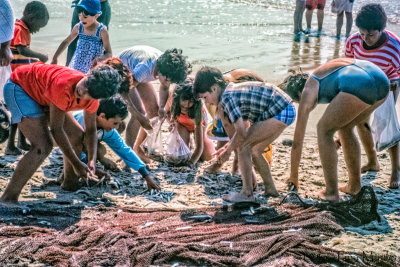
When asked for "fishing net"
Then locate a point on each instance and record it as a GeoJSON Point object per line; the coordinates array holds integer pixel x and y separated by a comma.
{"type": "Point", "coordinates": [280, 235]}
{"type": "Point", "coordinates": [358, 210]}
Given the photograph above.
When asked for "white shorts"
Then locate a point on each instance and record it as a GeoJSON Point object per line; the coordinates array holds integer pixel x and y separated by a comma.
{"type": "Point", "coordinates": [338, 6]}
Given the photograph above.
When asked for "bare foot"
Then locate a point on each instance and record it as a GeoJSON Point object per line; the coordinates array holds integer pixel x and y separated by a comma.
{"type": "Point", "coordinates": [394, 181]}
{"type": "Point", "coordinates": [213, 168]}
{"type": "Point", "coordinates": [370, 168]}
{"type": "Point", "coordinates": [351, 190]}
{"type": "Point", "coordinates": [109, 164]}
{"type": "Point", "coordinates": [238, 197]}
{"type": "Point", "coordinates": [271, 192]}
{"type": "Point", "coordinates": [60, 178]}
{"type": "Point", "coordinates": [15, 151]}
{"type": "Point", "coordinates": [332, 198]}
{"type": "Point", "coordinates": [71, 186]}
{"type": "Point", "coordinates": [140, 153]}
{"type": "Point", "coordinates": [292, 184]}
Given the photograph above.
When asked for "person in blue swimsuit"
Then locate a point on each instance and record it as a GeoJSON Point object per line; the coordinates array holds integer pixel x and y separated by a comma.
{"type": "Point", "coordinates": [353, 89]}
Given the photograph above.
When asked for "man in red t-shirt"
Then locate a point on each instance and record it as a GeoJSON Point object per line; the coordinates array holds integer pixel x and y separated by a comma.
{"type": "Point", "coordinates": [35, 16]}
{"type": "Point", "coordinates": [40, 95]}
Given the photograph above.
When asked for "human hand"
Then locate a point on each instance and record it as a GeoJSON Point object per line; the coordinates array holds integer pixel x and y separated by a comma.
{"type": "Point", "coordinates": [43, 58]}
{"type": "Point", "coordinates": [5, 56]}
{"type": "Point", "coordinates": [103, 174]}
{"type": "Point", "coordinates": [92, 167]}
{"type": "Point", "coordinates": [394, 85]}
{"type": "Point", "coordinates": [151, 184]}
{"type": "Point", "coordinates": [162, 113]}
{"type": "Point", "coordinates": [171, 126]}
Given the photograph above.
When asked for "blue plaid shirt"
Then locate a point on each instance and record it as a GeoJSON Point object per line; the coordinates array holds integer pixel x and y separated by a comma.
{"type": "Point", "coordinates": [253, 101]}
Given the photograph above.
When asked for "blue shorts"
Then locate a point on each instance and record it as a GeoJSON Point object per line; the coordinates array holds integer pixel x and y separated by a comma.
{"type": "Point", "coordinates": [288, 115]}
{"type": "Point", "coordinates": [19, 103]}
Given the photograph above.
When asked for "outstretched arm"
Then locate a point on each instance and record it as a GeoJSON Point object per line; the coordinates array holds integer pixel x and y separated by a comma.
{"type": "Point", "coordinates": [163, 96]}
{"type": "Point", "coordinates": [27, 52]}
{"type": "Point", "coordinates": [91, 139]}
{"type": "Point", "coordinates": [307, 104]}
{"type": "Point", "coordinates": [64, 44]}
{"type": "Point", "coordinates": [105, 37]}
{"type": "Point", "coordinates": [199, 140]}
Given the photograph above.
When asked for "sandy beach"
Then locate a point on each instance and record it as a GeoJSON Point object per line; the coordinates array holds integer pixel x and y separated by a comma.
{"type": "Point", "coordinates": [42, 201]}
{"type": "Point", "coordinates": [67, 224]}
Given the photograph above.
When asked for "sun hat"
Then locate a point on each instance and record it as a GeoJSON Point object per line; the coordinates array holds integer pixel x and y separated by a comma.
{"type": "Point", "coordinates": [91, 6]}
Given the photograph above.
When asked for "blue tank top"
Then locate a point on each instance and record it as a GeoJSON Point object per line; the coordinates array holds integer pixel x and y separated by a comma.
{"type": "Point", "coordinates": [88, 48]}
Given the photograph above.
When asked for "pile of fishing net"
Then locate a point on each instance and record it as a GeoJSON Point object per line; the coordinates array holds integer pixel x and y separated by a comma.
{"type": "Point", "coordinates": [279, 235]}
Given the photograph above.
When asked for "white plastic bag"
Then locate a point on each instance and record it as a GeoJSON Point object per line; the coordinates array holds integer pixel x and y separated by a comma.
{"type": "Point", "coordinates": [178, 153]}
{"type": "Point", "coordinates": [5, 73]}
{"type": "Point", "coordinates": [385, 126]}
{"type": "Point", "coordinates": [152, 145]}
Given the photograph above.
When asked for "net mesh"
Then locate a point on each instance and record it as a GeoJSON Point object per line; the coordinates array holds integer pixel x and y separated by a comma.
{"type": "Point", "coordinates": [279, 235]}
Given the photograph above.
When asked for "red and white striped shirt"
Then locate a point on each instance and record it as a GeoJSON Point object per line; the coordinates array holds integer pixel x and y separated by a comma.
{"type": "Point", "coordinates": [386, 57]}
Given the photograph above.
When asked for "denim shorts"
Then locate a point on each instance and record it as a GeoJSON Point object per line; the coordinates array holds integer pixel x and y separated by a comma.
{"type": "Point", "coordinates": [19, 103]}
{"type": "Point", "coordinates": [288, 115]}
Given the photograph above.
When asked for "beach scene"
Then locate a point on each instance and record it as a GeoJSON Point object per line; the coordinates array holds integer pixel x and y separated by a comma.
{"type": "Point", "coordinates": [187, 223]}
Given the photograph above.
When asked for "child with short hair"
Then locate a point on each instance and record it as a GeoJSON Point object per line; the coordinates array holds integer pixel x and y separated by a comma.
{"type": "Point", "coordinates": [37, 90]}
{"type": "Point", "coordinates": [148, 64]}
{"type": "Point", "coordinates": [35, 17]}
{"type": "Point", "coordinates": [382, 47]}
{"type": "Point", "coordinates": [189, 116]}
{"type": "Point", "coordinates": [93, 43]}
{"type": "Point", "coordinates": [110, 114]}
{"type": "Point", "coordinates": [268, 110]}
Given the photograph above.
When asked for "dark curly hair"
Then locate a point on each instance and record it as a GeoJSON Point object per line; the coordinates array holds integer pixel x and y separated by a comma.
{"type": "Point", "coordinates": [207, 77]}
{"type": "Point", "coordinates": [184, 91]}
{"type": "Point", "coordinates": [293, 85]}
{"type": "Point", "coordinates": [173, 65]}
{"type": "Point", "coordinates": [126, 75]}
{"type": "Point", "coordinates": [112, 107]}
{"type": "Point", "coordinates": [103, 81]}
{"type": "Point", "coordinates": [35, 15]}
{"type": "Point", "coordinates": [371, 17]}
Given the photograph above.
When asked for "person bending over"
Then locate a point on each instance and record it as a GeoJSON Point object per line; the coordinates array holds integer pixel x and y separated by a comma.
{"type": "Point", "coordinates": [350, 103]}
{"type": "Point", "coordinates": [268, 110]}
{"type": "Point", "coordinates": [39, 96]}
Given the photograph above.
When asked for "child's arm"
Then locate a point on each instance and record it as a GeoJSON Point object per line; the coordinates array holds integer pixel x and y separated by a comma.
{"type": "Point", "coordinates": [199, 140]}
{"type": "Point", "coordinates": [91, 138]}
{"type": "Point", "coordinates": [5, 54]}
{"type": "Point", "coordinates": [163, 97]}
{"type": "Point", "coordinates": [117, 144]}
{"type": "Point", "coordinates": [106, 43]}
{"type": "Point", "coordinates": [27, 52]}
{"type": "Point", "coordinates": [64, 44]}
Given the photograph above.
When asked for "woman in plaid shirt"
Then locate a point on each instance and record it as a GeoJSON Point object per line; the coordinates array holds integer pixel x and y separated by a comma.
{"type": "Point", "coordinates": [269, 111]}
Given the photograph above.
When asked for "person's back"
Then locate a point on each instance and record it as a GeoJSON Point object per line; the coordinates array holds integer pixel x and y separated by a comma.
{"type": "Point", "coordinates": [141, 61]}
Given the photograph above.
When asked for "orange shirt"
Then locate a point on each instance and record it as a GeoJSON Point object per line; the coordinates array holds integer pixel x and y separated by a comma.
{"type": "Point", "coordinates": [55, 84]}
{"type": "Point", "coordinates": [22, 36]}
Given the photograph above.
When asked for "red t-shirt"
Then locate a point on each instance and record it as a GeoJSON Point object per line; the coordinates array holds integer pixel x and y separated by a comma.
{"type": "Point", "coordinates": [22, 36]}
{"type": "Point", "coordinates": [55, 84]}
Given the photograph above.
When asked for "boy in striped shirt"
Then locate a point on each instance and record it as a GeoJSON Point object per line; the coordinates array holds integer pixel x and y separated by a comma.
{"type": "Point", "coordinates": [381, 47]}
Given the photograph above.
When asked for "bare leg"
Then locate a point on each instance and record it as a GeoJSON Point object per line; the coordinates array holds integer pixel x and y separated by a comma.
{"type": "Point", "coordinates": [150, 102]}
{"type": "Point", "coordinates": [298, 16]}
{"type": "Point", "coordinates": [320, 17]}
{"type": "Point", "coordinates": [22, 141]}
{"type": "Point", "coordinates": [365, 135]}
{"type": "Point", "coordinates": [208, 147]}
{"type": "Point", "coordinates": [37, 132]}
{"type": "Point", "coordinates": [11, 149]}
{"type": "Point", "coordinates": [134, 106]}
{"type": "Point", "coordinates": [343, 113]}
{"type": "Point", "coordinates": [339, 23]}
{"type": "Point", "coordinates": [101, 157]}
{"type": "Point", "coordinates": [394, 180]}
{"type": "Point", "coordinates": [270, 129]}
{"type": "Point", "coordinates": [309, 13]}
{"type": "Point", "coordinates": [76, 138]}
{"type": "Point", "coordinates": [349, 23]}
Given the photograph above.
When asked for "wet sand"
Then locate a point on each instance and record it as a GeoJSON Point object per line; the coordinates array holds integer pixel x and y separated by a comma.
{"type": "Point", "coordinates": [194, 189]}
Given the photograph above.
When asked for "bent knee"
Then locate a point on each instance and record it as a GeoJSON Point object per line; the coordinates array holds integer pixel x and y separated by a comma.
{"type": "Point", "coordinates": [42, 149]}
